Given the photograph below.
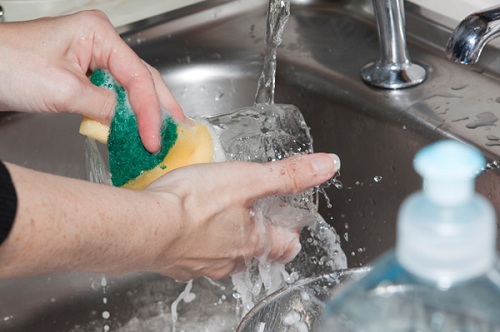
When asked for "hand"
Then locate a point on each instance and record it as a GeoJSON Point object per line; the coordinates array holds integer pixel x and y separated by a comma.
{"type": "Point", "coordinates": [194, 221]}
{"type": "Point", "coordinates": [218, 232]}
{"type": "Point", "coordinates": [45, 64]}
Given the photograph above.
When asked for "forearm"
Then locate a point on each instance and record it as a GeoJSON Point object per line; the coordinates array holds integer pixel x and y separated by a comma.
{"type": "Point", "coordinates": [66, 224]}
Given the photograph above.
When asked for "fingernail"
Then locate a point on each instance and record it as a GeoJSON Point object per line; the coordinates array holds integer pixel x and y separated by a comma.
{"type": "Point", "coordinates": [322, 167]}
{"type": "Point", "coordinates": [154, 145]}
{"type": "Point", "coordinates": [336, 162]}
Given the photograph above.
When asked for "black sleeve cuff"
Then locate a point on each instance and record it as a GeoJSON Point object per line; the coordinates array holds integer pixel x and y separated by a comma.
{"type": "Point", "coordinates": [8, 203]}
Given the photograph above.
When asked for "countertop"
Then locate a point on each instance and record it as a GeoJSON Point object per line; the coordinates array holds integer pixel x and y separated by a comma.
{"type": "Point", "coordinates": [122, 12]}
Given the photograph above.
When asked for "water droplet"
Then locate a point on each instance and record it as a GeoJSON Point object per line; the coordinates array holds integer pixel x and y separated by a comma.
{"type": "Point", "coordinates": [378, 178]}
{"type": "Point", "coordinates": [482, 119]}
{"type": "Point", "coordinates": [106, 314]}
{"type": "Point", "coordinates": [219, 95]}
{"type": "Point", "coordinates": [460, 119]}
{"type": "Point", "coordinates": [459, 86]}
{"type": "Point", "coordinates": [492, 138]}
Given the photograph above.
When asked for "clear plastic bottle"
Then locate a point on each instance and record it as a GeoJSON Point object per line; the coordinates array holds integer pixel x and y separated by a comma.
{"type": "Point", "coordinates": [441, 275]}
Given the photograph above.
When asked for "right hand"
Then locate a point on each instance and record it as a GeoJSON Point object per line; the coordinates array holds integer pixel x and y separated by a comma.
{"type": "Point", "coordinates": [217, 233]}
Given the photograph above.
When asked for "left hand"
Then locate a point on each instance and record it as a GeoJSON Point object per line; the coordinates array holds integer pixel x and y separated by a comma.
{"type": "Point", "coordinates": [45, 64]}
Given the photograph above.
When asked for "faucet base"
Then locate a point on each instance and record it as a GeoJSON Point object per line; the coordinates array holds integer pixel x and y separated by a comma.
{"type": "Point", "coordinates": [391, 76]}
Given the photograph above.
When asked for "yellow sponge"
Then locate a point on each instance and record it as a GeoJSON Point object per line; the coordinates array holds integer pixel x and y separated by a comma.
{"type": "Point", "coordinates": [194, 145]}
{"type": "Point", "coordinates": [94, 129]}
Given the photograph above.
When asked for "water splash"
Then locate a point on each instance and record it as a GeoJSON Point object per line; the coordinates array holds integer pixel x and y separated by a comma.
{"type": "Point", "coordinates": [97, 170]}
{"type": "Point", "coordinates": [187, 296]}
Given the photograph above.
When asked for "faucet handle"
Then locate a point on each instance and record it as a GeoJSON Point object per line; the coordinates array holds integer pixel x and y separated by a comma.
{"type": "Point", "coordinates": [393, 70]}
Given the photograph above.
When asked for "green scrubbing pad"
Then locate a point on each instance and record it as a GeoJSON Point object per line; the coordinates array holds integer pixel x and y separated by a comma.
{"type": "Point", "coordinates": [128, 157]}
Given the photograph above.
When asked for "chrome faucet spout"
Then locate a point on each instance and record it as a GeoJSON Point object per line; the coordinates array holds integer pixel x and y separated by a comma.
{"type": "Point", "coordinates": [472, 34]}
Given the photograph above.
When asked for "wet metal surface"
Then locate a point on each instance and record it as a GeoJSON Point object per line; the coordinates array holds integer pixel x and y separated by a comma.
{"type": "Point", "coordinates": [211, 56]}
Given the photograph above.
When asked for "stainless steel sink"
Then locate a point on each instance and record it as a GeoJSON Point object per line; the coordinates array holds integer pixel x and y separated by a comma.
{"type": "Point", "coordinates": [211, 56]}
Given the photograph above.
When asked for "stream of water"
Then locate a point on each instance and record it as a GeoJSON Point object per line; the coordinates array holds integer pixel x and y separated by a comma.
{"type": "Point", "coordinates": [278, 13]}
{"type": "Point", "coordinates": [321, 252]}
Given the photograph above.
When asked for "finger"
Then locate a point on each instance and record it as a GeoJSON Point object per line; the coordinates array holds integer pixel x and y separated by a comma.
{"type": "Point", "coordinates": [112, 53]}
{"type": "Point", "coordinates": [167, 99]}
{"type": "Point", "coordinates": [285, 245]}
{"type": "Point", "coordinates": [96, 103]}
{"type": "Point", "coordinates": [145, 104]}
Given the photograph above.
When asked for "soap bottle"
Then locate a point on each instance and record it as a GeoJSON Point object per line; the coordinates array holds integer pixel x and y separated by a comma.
{"type": "Point", "coordinates": [441, 275]}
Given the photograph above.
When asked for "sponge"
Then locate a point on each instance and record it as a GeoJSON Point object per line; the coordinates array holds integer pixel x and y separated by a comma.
{"type": "Point", "coordinates": [131, 165]}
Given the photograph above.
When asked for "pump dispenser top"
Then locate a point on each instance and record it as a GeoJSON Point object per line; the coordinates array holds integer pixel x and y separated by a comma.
{"type": "Point", "coordinates": [447, 232]}
{"type": "Point", "coordinates": [448, 169]}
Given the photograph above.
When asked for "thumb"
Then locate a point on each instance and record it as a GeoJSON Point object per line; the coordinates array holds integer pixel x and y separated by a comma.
{"type": "Point", "coordinates": [293, 175]}
{"type": "Point", "coordinates": [96, 103]}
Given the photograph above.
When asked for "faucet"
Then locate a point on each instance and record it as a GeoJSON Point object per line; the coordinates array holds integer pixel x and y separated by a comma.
{"type": "Point", "coordinates": [393, 69]}
{"type": "Point", "coordinates": [472, 34]}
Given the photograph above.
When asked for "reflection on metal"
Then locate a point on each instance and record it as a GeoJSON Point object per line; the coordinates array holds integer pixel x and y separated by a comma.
{"type": "Point", "coordinates": [472, 34]}
{"type": "Point", "coordinates": [393, 69]}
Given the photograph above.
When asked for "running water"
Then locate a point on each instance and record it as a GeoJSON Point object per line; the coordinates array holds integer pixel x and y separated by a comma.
{"type": "Point", "coordinates": [278, 13]}
{"type": "Point", "coordinates": [321, 252]}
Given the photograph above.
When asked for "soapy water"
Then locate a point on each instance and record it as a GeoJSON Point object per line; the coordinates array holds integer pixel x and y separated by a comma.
{"type": "Point", "coordinates": [320, 250]}
{"type": "Point", "coordinates": [150, 306]}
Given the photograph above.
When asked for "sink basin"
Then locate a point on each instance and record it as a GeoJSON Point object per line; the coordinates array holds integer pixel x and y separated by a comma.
{"type": "Point", "coordinates": [210, 54]}
{"type": "Point", "coordinates": [297, 307]}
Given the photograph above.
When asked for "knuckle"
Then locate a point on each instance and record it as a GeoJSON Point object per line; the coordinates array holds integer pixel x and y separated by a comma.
{"type": "Point", "coordinates": [107, 110]}
{"type": "Point", "coordinates": [93, 15]}
{"type": "Point", "coordinates": [291, 180]}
